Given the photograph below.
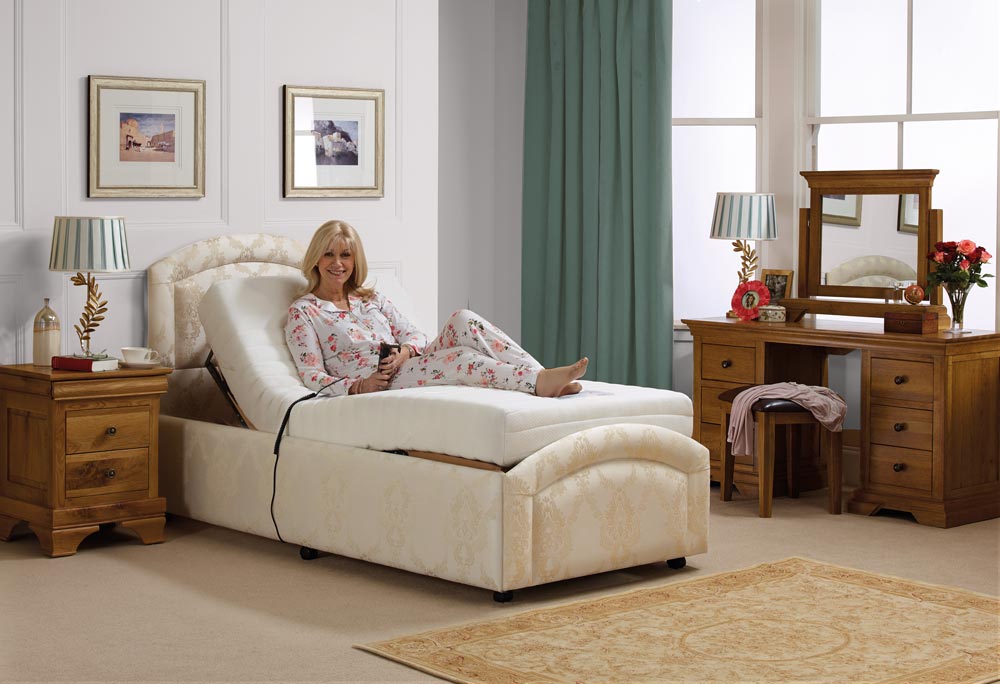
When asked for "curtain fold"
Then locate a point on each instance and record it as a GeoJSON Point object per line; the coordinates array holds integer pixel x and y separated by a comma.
{"type": "Point", "coordinates": [596, 242]}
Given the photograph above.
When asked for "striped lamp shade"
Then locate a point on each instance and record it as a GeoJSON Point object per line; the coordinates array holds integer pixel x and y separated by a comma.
{"type": "Point", "coordinates": [744, 216]}
{"type": "Point", "coordinates": [89, 243]}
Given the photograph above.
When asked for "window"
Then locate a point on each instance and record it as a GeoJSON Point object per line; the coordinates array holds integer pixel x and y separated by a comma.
{"type": "Point", "coordinates": [716, 142]}
{"type": "Point", "coordinates": [918, 88]}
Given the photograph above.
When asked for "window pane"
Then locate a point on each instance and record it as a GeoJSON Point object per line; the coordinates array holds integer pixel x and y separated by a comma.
{"type": "Point", "coordinates": [707, 160]}
{"type": "Point", "coordinates": [714, 58]}
{"type": "Point", "coordinates": [853, 147]}
{"type": "Point", "coordinates": [862, 57]}
{"type": "Point", "coordinates": [956, 58]}
{"type": "Point", "coordinates": [965, 152]}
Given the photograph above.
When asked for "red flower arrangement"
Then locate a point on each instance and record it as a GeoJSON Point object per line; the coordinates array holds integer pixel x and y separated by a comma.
{"type": "Point", "coordinates": [958, 264]}
{"type": "Point", "coordinates": [749, 296]}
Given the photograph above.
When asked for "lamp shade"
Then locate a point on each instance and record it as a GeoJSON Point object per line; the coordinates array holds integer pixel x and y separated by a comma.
{"type": "Point", "coordinates": [89, 243]}
{"type": "Point", "coordinates": [744, 216]}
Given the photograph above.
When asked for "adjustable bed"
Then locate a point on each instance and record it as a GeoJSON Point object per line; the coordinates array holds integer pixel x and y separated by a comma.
{"type": "Point", "coordinates": [495, 489]}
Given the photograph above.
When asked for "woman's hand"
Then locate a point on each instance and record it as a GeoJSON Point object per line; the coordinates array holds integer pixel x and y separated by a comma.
{"type": "Point", "coordinates": [392, 363]}
{"type": "Point", "coordinates": [376, 382]}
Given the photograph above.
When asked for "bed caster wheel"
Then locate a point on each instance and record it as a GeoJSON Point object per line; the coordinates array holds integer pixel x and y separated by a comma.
{"type": "Point", "coordinates": [677, 563]}
{"type": "Point", "coordinates": [503, 596]}
{"type": "Point", "coordinates": [305, 553]}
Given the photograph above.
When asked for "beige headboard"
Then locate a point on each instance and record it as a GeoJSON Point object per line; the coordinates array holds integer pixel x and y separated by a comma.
{"type": "Point", "coordinates": [176, 285]}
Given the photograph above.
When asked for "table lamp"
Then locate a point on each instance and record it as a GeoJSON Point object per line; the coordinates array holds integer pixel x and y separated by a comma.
{"type": "Point", "coordinates": [743, 216]}
{"type": "Point", "coordinates": [95, 244]}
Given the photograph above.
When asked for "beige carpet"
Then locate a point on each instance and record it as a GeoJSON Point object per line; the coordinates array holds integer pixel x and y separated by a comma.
{"type": "Point", "coordinates": [794, 620]}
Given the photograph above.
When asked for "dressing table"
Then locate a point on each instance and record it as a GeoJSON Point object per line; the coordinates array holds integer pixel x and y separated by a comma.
{"type": "Point", "coordinates": [930, 404]}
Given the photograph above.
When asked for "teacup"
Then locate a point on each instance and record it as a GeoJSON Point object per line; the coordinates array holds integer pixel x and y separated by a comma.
{"type": "Point", "coordinates": [140, 355]}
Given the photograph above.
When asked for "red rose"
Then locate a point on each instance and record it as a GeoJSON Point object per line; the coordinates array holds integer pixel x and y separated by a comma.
{"type": "Point", "coordinates": [966, 247]}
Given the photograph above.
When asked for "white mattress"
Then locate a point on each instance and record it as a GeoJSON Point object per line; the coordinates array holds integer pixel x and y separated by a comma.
{"type": "Point", "coordinates": [244, 325]}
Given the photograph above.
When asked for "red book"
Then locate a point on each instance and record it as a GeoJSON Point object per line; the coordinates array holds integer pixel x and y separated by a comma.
{"type": "Point", "coordinates": [78, 363]}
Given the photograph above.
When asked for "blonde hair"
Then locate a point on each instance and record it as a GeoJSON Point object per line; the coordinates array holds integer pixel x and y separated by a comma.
{"type": "Point", "coordinates": [326, 235]}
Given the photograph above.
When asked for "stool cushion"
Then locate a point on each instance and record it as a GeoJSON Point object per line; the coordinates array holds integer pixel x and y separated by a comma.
{"type": "Point", "coordinates": [766, 405]}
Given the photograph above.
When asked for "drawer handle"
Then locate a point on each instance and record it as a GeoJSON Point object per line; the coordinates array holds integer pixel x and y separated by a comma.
{"type": "Point", "coordinates": [112, 430]}
{"type": "Point", "coordinates": [899, 427]}
{"type": "Point", "coordinates": [727, 363]}
{"type": "Point", "coordinates": [898, 467]}
{"type": "Point", "coordinates": [111, 473]}
{"type": "Point", "coordinates": [899, 379]}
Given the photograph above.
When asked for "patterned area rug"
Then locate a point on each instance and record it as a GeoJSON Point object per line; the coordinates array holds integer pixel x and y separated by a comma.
{"type": "Point", "coordinates": [795, 620]}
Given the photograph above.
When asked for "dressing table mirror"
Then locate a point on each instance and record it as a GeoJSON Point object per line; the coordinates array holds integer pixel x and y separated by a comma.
{"type": "Point", "coordinates": [865, 236]}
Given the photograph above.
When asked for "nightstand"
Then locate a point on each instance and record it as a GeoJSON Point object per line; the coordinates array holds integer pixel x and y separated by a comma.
{"type": "Point", "coordinates": [78, 450]}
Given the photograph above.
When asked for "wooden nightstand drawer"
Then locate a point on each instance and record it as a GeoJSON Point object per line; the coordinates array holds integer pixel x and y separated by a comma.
{"type": "Point", "coordinates": [711, 409]}
{"type": "Point", "coordinates": [107, 473]}
{"type": "Point", "coordinates": [902, 427]}
{"type": "Point", "coordinates": [105, 429]}
{"type": "Point", "coordinates": [728, 363]}
{"type": "Point", "coordinates": [908, 468]}
{"type": "Point", "coordinates": [907, 380]}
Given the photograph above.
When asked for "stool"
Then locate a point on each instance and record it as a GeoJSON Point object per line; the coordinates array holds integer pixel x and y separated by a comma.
{"type": "Point", "coordinates": [769, 413]}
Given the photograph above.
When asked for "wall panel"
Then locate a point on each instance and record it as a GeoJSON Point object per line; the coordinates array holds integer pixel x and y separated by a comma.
{"type": "Point", "coordinates": [10, 122]}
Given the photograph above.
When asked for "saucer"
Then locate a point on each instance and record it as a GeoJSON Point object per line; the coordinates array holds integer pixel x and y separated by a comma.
{"type": "Point", "coordinates": [139, 364]}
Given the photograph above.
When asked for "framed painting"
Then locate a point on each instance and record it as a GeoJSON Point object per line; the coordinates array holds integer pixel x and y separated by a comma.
{"type": "Point", "coordinates": [844, 210]}
{"type": "Point", "coordinates": [778, 283]}
{"type": "Point", "coordinates": [334, 142]}
{"type": "Point", "coordinates": [146, 137]}
{"type": "Point", "coordinates": [909, 214]}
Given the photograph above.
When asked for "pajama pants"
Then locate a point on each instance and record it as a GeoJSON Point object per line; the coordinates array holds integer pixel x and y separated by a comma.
{"type": "Point", "coordinates": [470, 351]}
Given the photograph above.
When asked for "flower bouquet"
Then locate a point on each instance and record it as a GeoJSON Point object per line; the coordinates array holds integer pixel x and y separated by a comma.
{"type": "Point", "coordinates": [957, 267]}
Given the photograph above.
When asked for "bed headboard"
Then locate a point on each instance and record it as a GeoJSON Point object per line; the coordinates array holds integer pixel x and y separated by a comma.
{"type": "Point", "coordinates": [176, 285]}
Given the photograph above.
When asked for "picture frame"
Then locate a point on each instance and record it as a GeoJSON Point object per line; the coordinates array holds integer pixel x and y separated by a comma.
{"type": "Point", "coordinates": [146, 137]}
{"type": "Point", "coordinates": [778, 283]}
{"type": "Point", "coordinates": [333, 142]}
{"type": "Point", "coordinates": [844, 210]}
{"type": "Point", "coordinates": [909, 214]}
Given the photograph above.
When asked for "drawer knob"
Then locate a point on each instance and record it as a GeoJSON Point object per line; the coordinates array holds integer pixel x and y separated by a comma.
{"type": "Point", "coordinates": [899, 379]}
{"type": "Point", "coordinates": [899, 427]}
{"type": "Point", "coordinates": [727, 363]}
{"type": "Point", "coordinates": [111, 473]}
{"type": "Point", "coordinates": [898, 467]}
{"type": "Point", "coordinates": [112, 430]}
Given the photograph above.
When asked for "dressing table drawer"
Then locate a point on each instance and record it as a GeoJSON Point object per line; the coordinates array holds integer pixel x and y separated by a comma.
{"type": "Point", "coordinates": [728, 363]}
{"type": "Point", "coordinates": [902, 380]}
{"type": "Point", "coordinates": [909, 468]}
{"type": "Point", "coordinates": [902, 427]}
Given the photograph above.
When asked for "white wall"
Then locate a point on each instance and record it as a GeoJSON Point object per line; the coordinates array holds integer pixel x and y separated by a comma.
{"type": "Point", "coordinates": [482, 46]}
{"type": "Point", "coordinates": [245, 51]}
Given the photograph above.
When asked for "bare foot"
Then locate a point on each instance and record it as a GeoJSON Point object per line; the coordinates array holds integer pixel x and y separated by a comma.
{"type": "Point", "coordinates": [552, 381]}
{"type": "Point", "coordinates": [571, 388]}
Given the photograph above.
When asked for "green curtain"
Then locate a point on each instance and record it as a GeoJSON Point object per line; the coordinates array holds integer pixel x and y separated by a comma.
{"type": "Point", "coordinates": [596, 232]}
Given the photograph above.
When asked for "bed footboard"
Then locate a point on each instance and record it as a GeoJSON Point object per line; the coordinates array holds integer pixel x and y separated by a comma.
{"type": "Point", "coordinates": [602, 499]}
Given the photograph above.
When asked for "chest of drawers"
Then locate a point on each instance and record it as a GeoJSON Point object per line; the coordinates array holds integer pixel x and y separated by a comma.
{"type": "Point", "coordinates": [78, 450]}
{"type": "Point", "coordinates": [930, 407]}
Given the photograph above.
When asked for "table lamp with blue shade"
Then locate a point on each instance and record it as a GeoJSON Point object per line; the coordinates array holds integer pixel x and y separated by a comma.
{"type": "Point", "coordinates": [95, 244]}
{"type": "Point", "coordinates": [743, 216]}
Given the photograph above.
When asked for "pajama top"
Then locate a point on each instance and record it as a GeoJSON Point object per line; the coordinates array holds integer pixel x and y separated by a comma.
{"type": "Point", "coordinates": [333, 347]}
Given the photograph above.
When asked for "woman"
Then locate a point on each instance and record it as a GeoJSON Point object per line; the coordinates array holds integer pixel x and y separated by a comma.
{"type": "Point", "coordinates": [335, 327]}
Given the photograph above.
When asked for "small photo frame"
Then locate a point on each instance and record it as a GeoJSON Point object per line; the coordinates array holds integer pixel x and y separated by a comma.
{"type": "Point", "coordinates": [334, 142]}
{"type": "Point", "coordinates": [146, 137]}
{"type": "Point", "coordinates": [909, 214]}
{"type": "Point", "coordinates": [844, 210]}
{"type": "Point", "coordinates": [778, 282]}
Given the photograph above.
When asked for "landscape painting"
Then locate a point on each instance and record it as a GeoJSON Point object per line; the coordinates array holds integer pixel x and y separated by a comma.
{"type": "Point", "coordinates": [336, 142]}
{"type": "Point", "coordinates": [146, 137]}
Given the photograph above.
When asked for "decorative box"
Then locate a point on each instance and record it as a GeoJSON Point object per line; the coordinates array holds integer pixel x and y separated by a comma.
{"type": "Point", "coordinates": [772, 313]}
{"type": "Point", "coordinates": [913, 322]}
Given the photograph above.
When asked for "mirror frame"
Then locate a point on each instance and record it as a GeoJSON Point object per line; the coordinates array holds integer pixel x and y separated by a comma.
{"type": "Point", "coordinates": [887, 182]}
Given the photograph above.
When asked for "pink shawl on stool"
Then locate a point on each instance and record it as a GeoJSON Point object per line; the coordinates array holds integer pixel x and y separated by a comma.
{"type": "Point", "coordinates": [826, 406]}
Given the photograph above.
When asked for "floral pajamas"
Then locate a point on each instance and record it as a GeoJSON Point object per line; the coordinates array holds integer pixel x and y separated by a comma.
{"type": "Point", "coordinates": [333, 348]}
{"type": "Point", "coordinates": [470, 351]}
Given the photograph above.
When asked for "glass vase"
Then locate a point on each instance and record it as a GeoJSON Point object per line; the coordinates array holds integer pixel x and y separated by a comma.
{"type": "Point", "coordinates": [957, 295]}
{"type": "Point", "coordinates": [46, 336]}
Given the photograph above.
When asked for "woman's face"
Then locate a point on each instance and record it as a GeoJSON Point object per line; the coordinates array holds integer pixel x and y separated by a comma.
{"type": "Point", "coordinates": [335, 266]}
